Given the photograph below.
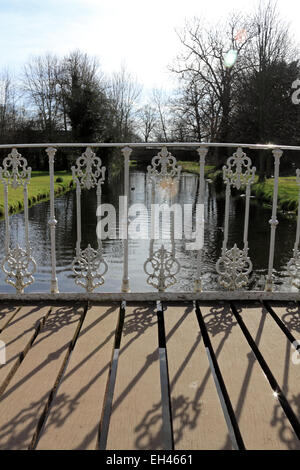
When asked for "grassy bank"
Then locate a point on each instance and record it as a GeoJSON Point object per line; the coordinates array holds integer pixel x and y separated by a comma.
{"type": "Point", "coordinates": [193, 167]}
{"type": "Point", "coordinates": [287, 187]}
{"type": "Point", "coordinates": [38, 190]}
{"type": "Point", "coordinates": [287, 193]}
{"type": "Point", "coordinates": [263, 192]}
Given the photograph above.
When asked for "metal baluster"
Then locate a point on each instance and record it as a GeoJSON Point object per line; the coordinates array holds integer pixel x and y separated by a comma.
{"type": "Point", "coordinates": [234, 265]}
{"type": "Point", "coordinates": [88, 265]}
{"type": "Point", "coordinates": [7, 226]}
{"type": "Point", "coordinates": [202, 154]}
{"type": "Point", "coordinates": [273, 221]}
{"type": "Point", "coordinates": [51, 151]}
{"type": "Point", "coordinates": [161, 266]}
{"type": "Point", "coordinates": [18, 264]}
{"type": "Point", "coordinates": [78, 216]}
{"type": "Point", "coordinates": [293, 266]}
{"type": "Point", "coordinates": [126, 151]}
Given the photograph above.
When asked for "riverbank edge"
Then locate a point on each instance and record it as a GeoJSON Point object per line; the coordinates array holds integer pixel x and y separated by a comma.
{"type": "Point", "coordinates": [60, 188]}
{"type": "Point", "coordinates": [287, 205]}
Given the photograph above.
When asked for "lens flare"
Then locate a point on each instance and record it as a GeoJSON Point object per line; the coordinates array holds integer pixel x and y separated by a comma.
{"type": "Point", "coordinates": [241, 35]}
{"type": "Point", "coordinates": [230, 58]}
{"type": "Point", "coordinates": [169, 186]}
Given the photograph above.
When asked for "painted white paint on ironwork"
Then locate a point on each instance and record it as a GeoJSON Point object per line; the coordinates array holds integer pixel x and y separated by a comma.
{"type": "Point", "coordinates": [234, 265]}
{"type": "Point", "coordinates": [51, 151]}
{"type": "Point", "coordinates": [88, 265]}
{"type": "Point", "coordinates": [202, 154]}
{"type": "Point", "coordinates": [161, 266]}
{"type": "Point", "coordinates": [18, 264]}
{"type": "Point", "coordinates": [181, 145]}
{"type": "Point", "coordinates": [277, 153]}
{"type": "Point", "coordinates": [293, 266]}
{"type": "Point", "coordinates": [163, 166]}
{"type": "Point", "coordinates": [126, 151]}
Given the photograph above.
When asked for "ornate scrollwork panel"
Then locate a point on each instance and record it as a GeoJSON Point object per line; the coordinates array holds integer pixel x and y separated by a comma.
{"type": "Point", "coordinates": [234, 267]}
{"type": "Point", "coordinates": [164, 166]}
{"type": "Point", "coordinates": [15, 171]}
{"type": "Point", "coordinates": [88, 170]}
{"type": "Point", "coordinates": [88, 265]}
{"type": "Point", "coordinates": [89, 268]}
{"type": "Point", "coordinates": [18, 264]}
{"type": "Point", "coordinates": [293, 268]}
{"type": "Point", "coordinates": [161, 268]}
{"type": "Point", "coordinates": [238, 171]}
{"type": "Point", "coordinates": [19, 267]}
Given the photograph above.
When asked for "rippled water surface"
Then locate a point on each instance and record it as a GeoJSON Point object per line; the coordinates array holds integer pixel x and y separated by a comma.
{"type": "Point", "coordinates": [140, 192]}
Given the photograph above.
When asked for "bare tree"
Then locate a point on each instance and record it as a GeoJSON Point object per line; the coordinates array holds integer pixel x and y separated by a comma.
{"type": "Point", "coordinates": [162, 103]}
{"type": "Point", "coordinates": [271, 46]}
{"type": "Point", "coordinates": [202, 60]}
{"type": "Point", "coordinates": [40, 85]}
{"type": "Point", "coordinates": [147, 121]}
{"type": "Point", "coordinates": [124, 94]}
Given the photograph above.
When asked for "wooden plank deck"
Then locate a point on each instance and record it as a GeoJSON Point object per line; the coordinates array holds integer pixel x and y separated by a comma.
{"type": "Point", "coordinates": [142, 375]}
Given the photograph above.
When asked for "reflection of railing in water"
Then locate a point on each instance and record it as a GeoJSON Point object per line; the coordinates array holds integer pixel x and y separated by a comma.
{"type": "Point", "coordinates": [89, 266]}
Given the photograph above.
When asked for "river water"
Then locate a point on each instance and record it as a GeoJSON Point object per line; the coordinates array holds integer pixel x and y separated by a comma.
{"type": "Point", "coordinates": [140, 192]}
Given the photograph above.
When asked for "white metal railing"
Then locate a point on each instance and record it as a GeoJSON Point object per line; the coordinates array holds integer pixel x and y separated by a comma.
{"type": "Point", "coordinates": [89, 266]}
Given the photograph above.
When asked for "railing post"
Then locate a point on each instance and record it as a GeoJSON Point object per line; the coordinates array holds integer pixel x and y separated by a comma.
{"type": "Point", "coordinates": [202, 154]}
{"type": "Point", "coordinates": [126, 151]}
{"type": "Point", "coordinates": [52, 221]}
{"type": "Point", "coordinates": [273, 221]}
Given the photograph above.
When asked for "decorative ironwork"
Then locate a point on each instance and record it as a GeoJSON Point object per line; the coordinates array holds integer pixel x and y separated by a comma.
{"type": "Point", "coordinates": [163, 166]}
{"type": "Point", "coordinates": [19, 267]}
{"type": "Point", "coordinates": [88, 171]}
{"type": "Point", "coordinates": [238, 177]}
{"type": "Point", "coordinates": [234, 266]}
{"type": "Point", "coordinates": [202, 154]}
{"type": "Point", "coordinates": [86, 267]}
{"type": "Point", "coordinates": [277, 153]}
{"type": "Point", "coordinates": [51, 151]}
{"type": "Point", "coordinates": [18, 264]}
{"type": "Point", "coordinates": [161, 268]}
{"type": "Point", "coordinates": [293, 266]}
{"type": "Point", "coordinates": [126, 152]}
{"type": "Point", "coordinates": [15, 172]}
{"type": "Point", "coordinates": [161, 265]}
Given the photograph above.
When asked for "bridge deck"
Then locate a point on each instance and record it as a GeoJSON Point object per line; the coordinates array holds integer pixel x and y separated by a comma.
{"type": "Point", "coordinates": [215, 375]}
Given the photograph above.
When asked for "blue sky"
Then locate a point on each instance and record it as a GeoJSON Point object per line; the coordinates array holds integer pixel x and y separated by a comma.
{"type": "Point", "coordinates": [139, 33]}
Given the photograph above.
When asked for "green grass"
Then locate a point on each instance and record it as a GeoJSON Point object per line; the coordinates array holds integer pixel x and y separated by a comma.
{"type": "Point", "coordinates": [193, 167]}
{"type": "Point", "coordinates": [287, 192]}
{"type": "Point", "coordinates": [287, 187]}
{"type": "Point", "coordinates": [38, 190]}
